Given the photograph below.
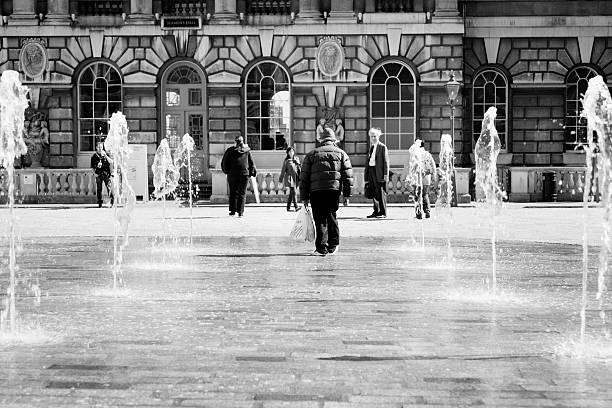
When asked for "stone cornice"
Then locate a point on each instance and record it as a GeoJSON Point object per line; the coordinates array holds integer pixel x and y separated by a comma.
{"type": "Point", "coordinates": [539, 26]}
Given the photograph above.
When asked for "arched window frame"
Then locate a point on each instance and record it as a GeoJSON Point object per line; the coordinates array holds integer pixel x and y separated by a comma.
{"type": "Point", "coordinates": [93, 127]}
{"type": "Point", "coordinates": [575, 126]}
{"type": "Point", "coordinates": [490, 75]}
{"type": "Point", "coordinates": [401, 139]}
{"type": "Point", "coordinates": [255, 140]}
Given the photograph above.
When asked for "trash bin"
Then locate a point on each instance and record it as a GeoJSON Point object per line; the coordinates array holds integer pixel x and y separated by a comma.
{"type": "Point", "coordinates": [549, 187]}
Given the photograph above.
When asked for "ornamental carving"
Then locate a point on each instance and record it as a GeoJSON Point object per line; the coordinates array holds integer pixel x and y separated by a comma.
{"type": "Point", "coordinates": [330, 56]}
{"type": "Point", "coordinates": [33, 57]}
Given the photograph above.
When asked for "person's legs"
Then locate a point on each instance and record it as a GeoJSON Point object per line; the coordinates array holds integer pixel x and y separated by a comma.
{"type": "Point", "coordinates": [333, 231]}
{"type": "Point", "coordinates": [241, 194]}
{"type": "Point", "coordinates": [294, 195]}
{"type": "Point", "coordinates": [382, 191]}
{"type": "Point", "coordinates": [232, 195]}
{"type": "Point", "coordinates": [375, 188]}
{"type": "Point", "coordinates": [319, 205]}
{"type": "Point", "coordinates": [418, 201]}
{"type": "Point", "coordinates": [290, 198]}
{"type": "Point", "coordinates": [99, 190]}
{"type": "Point", "coordinates": [425, 199]}
{"type": "Point", "coordinates": [109, 189]}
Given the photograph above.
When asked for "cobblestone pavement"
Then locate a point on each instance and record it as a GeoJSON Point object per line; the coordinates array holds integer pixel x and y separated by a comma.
{"type": "Point", "coordinates": [255, 321]}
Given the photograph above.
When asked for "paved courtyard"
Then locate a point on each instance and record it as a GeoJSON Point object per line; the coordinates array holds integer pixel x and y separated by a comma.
{"type": "Point", "coordinates": [245, 317]}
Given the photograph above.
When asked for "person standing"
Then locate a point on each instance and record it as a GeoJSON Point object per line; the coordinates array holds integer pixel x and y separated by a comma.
{"type": "Point", "coordinates": [290, 174]}
{"type": "Point", "coordinates": [424, 168]}
{"type": "Point", "coordinates": [377, 174]}
{"type": "Point", "coordinates": [101, 165]}
{"type": "Point", "coordinates": [326, 170]}
{"type": "Point", "coordinates": [238, 164]}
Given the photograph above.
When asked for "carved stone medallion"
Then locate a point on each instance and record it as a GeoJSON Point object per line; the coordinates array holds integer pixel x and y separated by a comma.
{"type": "Point", "coordinates": [33, 57]}
{"type": "Point", "coordinates": [330, 56]}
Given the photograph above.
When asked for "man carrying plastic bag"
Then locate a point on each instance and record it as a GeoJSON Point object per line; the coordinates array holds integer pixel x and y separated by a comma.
{"type": "Point", "coordinates": [303, 229]}
{"type": "Point", "coordinates": [326, 170]}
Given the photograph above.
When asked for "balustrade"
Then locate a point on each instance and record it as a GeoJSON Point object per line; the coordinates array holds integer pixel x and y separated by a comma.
{"type": "Point", "coordinates": [393, 6]}
{"type": "Point", "coordinates": [51, 182]}
{"type": "Point", "coordinates": [184, 8]}
{"type": "Point", "coordinates": [100, 7]}
{"type": "Point", "coordinates": [269, 7]}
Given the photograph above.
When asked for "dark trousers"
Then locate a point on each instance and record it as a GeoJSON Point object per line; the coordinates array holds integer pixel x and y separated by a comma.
{"type": "Point", "coordinates": [109, 188]}
{"type": "Point", "coordinates": [237, 193]}
{"type": "Point", "coordinates": [422, 200]}
{"type": "Point", "coordinates": [324, 205]}
{"type": "Point", "coordinates": [379, 191]}
{"type": "Point", "coordinates": [291, 198]}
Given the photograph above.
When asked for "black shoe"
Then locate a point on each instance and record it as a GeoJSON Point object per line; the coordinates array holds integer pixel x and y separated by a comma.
{"type": "Point", "coordinates": [332, 250]}
{"type": "Point", "coordinates": [112, 201]}
{"type": "Point", "coordinates": [322, 252]}
{"type": "Point", "coordinates": [419, 216]}
{"type": "Point", "coordinates": [373, 215]}
{"type": "Point", "coordinates": [232, 213]}
{"type": "Point", "coordinates": [427, 215]}
{"type": "Point", "coordinates": [289, 210]}
{"type": "Point", "coordinates": [381, 216]}
{"type": "Point", "coordinates": [297, 209]}
{"type": "Point", "coordinates": [239, 215]}
{"type": "Point", "coordinates": [99, 205]}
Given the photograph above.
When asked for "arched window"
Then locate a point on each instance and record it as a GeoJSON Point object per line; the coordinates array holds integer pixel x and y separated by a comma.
{"type": "Point", "coordinates": [490, 88]}
{"type": "Point", "coordinates": [100, 94]}
{"type": "Point", "coordinates": [392, 104]}
{"type": "Point", "coordinates": [575, 86]}
{"type": "Point", "coordinates": [268, 107]}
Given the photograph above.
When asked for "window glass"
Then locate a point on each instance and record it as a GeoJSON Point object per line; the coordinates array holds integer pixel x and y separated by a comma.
{"type": "Point", "coordinates": [490, 89]}
{"type": "Point", "coordinates": [575, 127]}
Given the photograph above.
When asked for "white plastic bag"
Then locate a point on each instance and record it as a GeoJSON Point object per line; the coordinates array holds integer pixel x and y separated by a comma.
{"type": "Point", "coordinates": [303, 229]}
{"type": "Point", "coordinates": [255, 188]}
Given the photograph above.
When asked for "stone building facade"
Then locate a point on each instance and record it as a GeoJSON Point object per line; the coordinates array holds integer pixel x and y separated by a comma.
{"type": "Point", "coordinates": [272, 70]}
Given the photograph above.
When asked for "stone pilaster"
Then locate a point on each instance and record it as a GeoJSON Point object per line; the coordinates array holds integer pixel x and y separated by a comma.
{"type": "Point", "coordinates": [225, 11]}
{"type": "Point", "coordinates": [24, 12]}
{"type": "Point", "coordinates": [341, 12]}
{"type": "Point", "coordinates": [58, 12]}
{"type": "Point", "coordinates": [141, 12]}
{"type": "Point", "coordinates": [310, 12]}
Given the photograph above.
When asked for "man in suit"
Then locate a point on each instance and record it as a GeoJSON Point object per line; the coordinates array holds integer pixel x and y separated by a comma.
{"type": "Point", "coordinates": [377, 174]}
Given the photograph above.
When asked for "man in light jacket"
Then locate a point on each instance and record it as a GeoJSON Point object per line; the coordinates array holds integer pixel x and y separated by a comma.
{"type": "Point", "coordinates": [377, 174]}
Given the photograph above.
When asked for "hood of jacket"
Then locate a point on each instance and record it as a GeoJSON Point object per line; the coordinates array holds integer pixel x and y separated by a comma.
{"type": "Point", "coordinates": [242, 149]}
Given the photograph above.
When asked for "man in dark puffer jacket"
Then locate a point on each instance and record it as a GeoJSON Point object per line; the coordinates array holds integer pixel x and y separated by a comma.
{"type": "Point", "coordinates": [326, 170]}
{"type": "Point", "coordinates": [238, 164]}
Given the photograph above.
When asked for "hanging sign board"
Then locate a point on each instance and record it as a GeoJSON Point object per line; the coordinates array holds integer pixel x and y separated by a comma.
{"type": "Point", "coordinates": [138, 173]}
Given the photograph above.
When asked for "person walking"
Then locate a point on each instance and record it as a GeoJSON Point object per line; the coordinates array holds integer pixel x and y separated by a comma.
{"type": "Point", "coordinates": [377, 174]}
{"type": "Point", "coordinates": [424, 175]}
{"type": "Point", "coordinates": [101, 165]}
{"type": "Point", "coordinates": [326, 170]}
{"type": "Point", "coordinates": [238, 164]}
{"type": "Point", "coordinates": [290, 174]}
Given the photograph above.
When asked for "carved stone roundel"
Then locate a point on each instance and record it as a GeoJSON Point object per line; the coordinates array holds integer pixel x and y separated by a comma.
{"type": "Point", "coordinates": [330, 57]}
{"type": "Point", "coordinates": [33, 59]}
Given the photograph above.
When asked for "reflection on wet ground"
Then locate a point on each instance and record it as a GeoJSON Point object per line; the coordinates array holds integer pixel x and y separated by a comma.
{"type": "Point", "coordinates": [258, 322]}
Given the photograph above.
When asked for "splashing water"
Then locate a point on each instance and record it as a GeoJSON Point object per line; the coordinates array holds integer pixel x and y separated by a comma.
{"type": "Point", "coordinates": [165, 176]}
{"type": "Point", "coordinates": [443, 203]}
{"type": "Point", "coordinates": [12, 106]}
{"type": "Point", "coordinates": [486, 152]}
{"type": "Point", "coordinates": [182, 158]}
{"type": "Point", "coordinates": [116, 143]}
{"type": "Point", "coordinates": [416, 169]}
{"type": "Point", "coordinates": [597, 105]}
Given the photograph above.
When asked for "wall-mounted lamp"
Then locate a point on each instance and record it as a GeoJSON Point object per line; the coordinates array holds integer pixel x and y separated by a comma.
{"type": "Point", "coordinates": [3, 20]}
{"type": "Point", "coordinates": [157, 16]}
{"type": "Point", "coordinates": [241, 16]}
{"type": "Point", "coordinates": [292, 16]}
{"type": "Point", "coordinates": [123, 16]}
{"type": "Point", "coordinates": [208, 16]}
{"type": "Point", "coordinates": [360, 17]}
{"type": "Point", "coordinates": [73, 17]}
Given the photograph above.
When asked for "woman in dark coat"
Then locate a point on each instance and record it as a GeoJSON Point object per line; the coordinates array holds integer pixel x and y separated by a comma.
{"type": "Point", "coordinates": [290, 173]}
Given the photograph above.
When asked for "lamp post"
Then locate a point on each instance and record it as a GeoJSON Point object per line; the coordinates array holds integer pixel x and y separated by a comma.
{"type": "Point", "coordinates": [452, 89]}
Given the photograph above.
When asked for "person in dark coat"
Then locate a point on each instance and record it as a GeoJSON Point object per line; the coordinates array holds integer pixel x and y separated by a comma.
{"type": "Point", "coordinates": [290, 175]}
{"type": "Point", "coordinates": [325, 171]}
{"type": "Point", "coordinates": [377, 174]}
{"type": "Point", "coordinates": [101, 165]}
{"type": "Point", "coordinates": [238, 164]}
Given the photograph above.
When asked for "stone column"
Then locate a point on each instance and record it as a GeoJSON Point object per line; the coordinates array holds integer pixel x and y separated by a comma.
{"type": "Point", "coordinates": [310, 12]}
{"type": "Point", "coordinates": [141, 12]}
{"type": "Point", "coordinates": [446, 8]}
{"type": "Point", "coordinates": [58, 12]}
{"type": "Point", "coordinates": [341, 12]}
{"type": "Point", "coordinates": [225, 11]}
{"type": "Point", "coordinates": [24, 12]}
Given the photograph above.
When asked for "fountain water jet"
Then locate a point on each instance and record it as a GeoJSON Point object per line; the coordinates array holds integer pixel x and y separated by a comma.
{"type": "Point", "coordinates": [116, 143]}
{"type": "Point", "coordinates": [486, 152]}
{"type": "Point", "coordinates": [416, 168]}
{"type": "Point", "coordinates": [182, 158]}
{"type": "Point", "coordinates": [444, 200]}
{"type": "Point", "coordinates": [165, 176]}
{"type": "Point", "coordinates": [12, 106]}
{"type": "Point", "coordinates": [597, 105]}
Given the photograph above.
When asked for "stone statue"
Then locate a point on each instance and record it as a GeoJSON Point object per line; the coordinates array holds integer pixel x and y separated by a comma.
{"type": "Point", "coordinates": [36, 137]}
{"type": "Point", "coordinates": [339, 131]}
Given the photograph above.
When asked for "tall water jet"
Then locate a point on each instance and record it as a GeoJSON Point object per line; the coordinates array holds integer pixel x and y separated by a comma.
{"type": "Point", "coordinates": [416, 168]}
{"type": "Point", "coordinates": [445, 196]}
{"type": "Point", "coordinates": [486, 152]}
{"type": "Point", "coordinates": [597, 105]}
{"type": "Point", "coordinates": [165, 176]}
{"type": "Point", "coordinates": [13, 102]}
{"type": "Point", "coordinates": [116, 143]}
{"type": "Point", "coordinates": [182, 158]}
